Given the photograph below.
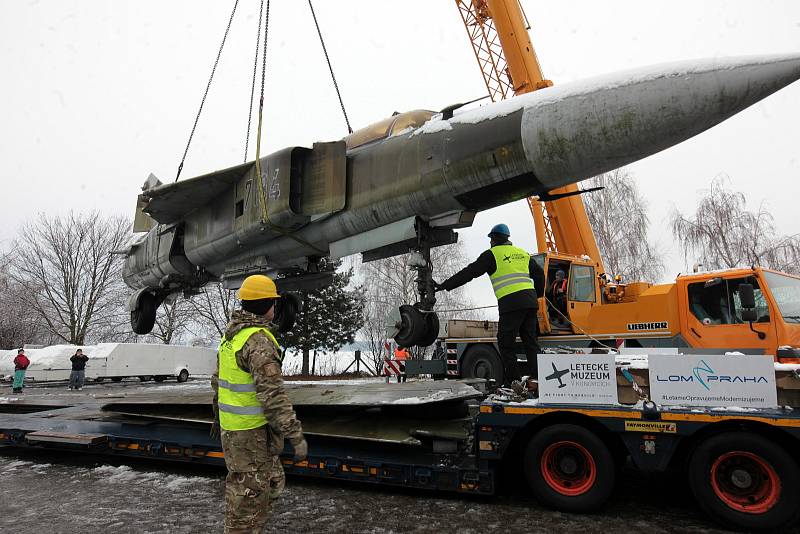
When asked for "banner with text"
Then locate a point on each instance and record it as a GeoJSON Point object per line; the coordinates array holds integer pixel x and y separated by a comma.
{"type": "Point", "coordinates": [729, 381]}
{"type": "Point", "coordinates": [577, 379]}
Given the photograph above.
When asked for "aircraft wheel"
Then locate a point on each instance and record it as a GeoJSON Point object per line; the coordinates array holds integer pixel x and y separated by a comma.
{"type": "Point", "coordinates": [569, 468]}
{"type": "Point", "coordinates": [144, 316]}
{"type": "Point", "coordinates": [431, 330]}
{"type": "Point", "coordinates": [413, 326]}
{"type": "Point", "coordinates": [286, 310]}
{"type": "Point", "coordinates": [745, 482]}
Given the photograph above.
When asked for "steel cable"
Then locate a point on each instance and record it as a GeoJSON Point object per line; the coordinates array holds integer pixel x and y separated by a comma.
{"type": "Point", "coordinates": [208, 86]}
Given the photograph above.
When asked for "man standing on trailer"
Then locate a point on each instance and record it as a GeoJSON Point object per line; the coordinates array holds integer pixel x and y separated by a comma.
{"type": "Point", "coordinates": [515, 278]}
{"type": "Point", "coordinates": [252, 409]}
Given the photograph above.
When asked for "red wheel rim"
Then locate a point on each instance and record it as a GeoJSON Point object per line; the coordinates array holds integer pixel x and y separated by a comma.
{"type": "Point", "coordinates": [745, 482]}
{"type": "Point", "coordinates": [568, 468]}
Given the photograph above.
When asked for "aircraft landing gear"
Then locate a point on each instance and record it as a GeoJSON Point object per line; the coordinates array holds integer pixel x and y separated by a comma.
{"type": "Point", "coordinates": [143, 306]}
{"type": "Point", "coordinates": [418, 324]}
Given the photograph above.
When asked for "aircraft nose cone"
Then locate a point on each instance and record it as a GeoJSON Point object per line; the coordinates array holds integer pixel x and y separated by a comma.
{"type": "Point", "coordinates": [580, 130]}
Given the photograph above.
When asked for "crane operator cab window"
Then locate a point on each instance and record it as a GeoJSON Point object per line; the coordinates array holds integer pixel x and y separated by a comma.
{"type": "Point", "coordinates": [717, 301]}
{"type": "Point", "coordinates": [556, 292]}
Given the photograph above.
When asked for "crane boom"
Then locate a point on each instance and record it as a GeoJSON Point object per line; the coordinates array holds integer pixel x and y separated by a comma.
{"type": "Point", "coordinates": [509, 65]}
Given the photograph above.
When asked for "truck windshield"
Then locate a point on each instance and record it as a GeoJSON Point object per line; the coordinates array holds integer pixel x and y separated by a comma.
{"type": "Point", "coordinates": [786, 292]}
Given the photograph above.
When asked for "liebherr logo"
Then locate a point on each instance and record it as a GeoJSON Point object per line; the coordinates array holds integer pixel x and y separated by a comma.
{"type": "Point", "coordinates": [656, 325]}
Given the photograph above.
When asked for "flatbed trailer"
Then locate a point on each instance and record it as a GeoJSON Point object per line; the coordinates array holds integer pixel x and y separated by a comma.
{"type": "Point", "coordinates": [741, 466]}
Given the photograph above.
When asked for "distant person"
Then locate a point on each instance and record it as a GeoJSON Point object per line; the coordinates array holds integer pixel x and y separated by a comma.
{"type": "Point", "coordinates": [252, 409]}
{"type": "Point", "coordinates": [78, 374]}
{"type": "Point", "coordinates": [21, 363]}
{"type": "Point", "coordinates": [559, 295]}
{"type": "Point", "coordinates": [401, 355]}
{"type": "Point", "coordinates": [516, 278]}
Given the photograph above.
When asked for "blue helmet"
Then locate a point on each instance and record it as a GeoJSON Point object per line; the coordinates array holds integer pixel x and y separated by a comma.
{"type": "Point", "coordinates": [500, 229]}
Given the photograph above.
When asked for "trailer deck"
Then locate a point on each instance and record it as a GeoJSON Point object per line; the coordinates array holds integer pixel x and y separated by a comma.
{"type": "Point", "coordinates": [568, 454]}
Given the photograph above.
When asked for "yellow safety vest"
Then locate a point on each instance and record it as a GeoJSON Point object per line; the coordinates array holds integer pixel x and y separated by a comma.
{"type": "Point", "coordinates": [512, 273]}
{"type": "Point", "coordinates": [239, 409]}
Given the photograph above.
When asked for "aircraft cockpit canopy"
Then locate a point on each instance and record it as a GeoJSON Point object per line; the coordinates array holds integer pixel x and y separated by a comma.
{"type": "Point", "coordinates": [388, 127]}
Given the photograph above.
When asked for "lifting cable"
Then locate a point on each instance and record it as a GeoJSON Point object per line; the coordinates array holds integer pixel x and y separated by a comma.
{"type": "Point", "coordinates": [330, 67]}
{"type": "Point", "coordinates": [253, 86]}
{"type": "Point", "coordinates": [259, 176]}
{"type": "Point", "coordinates": [208, 86]}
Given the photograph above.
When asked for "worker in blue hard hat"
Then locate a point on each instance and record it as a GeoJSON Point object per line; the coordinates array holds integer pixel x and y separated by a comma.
{"type": "Point", "coordinates": [517, 280]}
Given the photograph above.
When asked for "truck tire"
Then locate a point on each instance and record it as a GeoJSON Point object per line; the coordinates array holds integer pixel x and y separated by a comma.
{"type": "Point", "coordinates": [159, 379]}
{"type": "Point", "coordinates": [116, 379]}
{"type": "Point", "coordinates": [745, 482]}
{"type": "Point", "coordinates": [569, 468]}
{"type": "Point", "coordinates": [482, 361]}
{"type": "Point", "coordinates": [183, 376]}
{"type": "Point", "coordinates": [144, 378]}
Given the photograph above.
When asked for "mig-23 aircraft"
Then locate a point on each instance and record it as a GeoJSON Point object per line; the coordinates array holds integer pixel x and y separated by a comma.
{"type": "Point", "coordinates": [406, 183]}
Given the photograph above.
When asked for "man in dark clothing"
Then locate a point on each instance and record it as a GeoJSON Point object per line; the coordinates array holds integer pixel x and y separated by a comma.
{"type": "Point", "coordinates": [78, 374]}
{"type": "Point", "coordinates": [559, 298]}
{"type": "Point", "coordinates": [516, 278]}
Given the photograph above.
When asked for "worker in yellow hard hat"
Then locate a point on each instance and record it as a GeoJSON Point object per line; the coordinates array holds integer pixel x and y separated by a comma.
{"type": "Point", "coordinates": [252, 409]}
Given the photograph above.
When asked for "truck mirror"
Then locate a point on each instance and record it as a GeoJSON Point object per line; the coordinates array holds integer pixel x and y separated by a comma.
{"type": "Point", "coordinates": [747, 296]}
{"type": "Point", "coordinates": [749, 315]}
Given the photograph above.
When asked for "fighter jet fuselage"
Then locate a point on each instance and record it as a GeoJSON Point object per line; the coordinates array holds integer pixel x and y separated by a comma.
{"type": "Point", "coordinates": [417, 176]}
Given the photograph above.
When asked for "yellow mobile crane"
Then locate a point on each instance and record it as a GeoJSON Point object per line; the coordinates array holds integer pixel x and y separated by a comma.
{"type": "Point", "coordinates": [750, 309]}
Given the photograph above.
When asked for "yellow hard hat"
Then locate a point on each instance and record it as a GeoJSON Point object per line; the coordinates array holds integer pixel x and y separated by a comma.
{"type": "Point", "coordinates": [257, 287]}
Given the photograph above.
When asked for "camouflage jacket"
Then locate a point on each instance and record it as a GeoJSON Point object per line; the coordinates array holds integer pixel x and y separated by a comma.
{"type": "Point", "coordinates": [260, 357]}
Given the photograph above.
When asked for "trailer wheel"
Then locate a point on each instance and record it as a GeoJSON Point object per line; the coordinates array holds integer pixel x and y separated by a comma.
{"type": "Point", "coordinates": [745, 482]}
{"type": "Point", "coordinates": [116, 379]}
{"type": "Point", "coordinates": [159, 379]}
{"type": "Point", "coordinates": [183, 376]}
{"type": "Point", "coordinates": [569, 468]}
{"type": "Point", "coordinates": [144, 378]}
{"type": "Point", "coordinates": [482, 361]}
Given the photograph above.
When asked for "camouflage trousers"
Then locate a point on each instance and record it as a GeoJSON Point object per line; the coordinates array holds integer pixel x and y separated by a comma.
{"type": "Point", "coordinates": [255, 478]}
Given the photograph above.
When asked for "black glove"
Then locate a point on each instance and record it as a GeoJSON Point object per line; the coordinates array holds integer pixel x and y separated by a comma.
{"type": "Point", "coordinates": [437, 286]}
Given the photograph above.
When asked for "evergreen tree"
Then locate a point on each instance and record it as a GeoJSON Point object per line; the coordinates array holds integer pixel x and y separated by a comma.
{"type": "Point", "coordinates": [330, 318]}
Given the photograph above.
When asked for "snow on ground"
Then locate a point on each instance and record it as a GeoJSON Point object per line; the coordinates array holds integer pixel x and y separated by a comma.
{"type": "Point", "coordinates": [70, 494]}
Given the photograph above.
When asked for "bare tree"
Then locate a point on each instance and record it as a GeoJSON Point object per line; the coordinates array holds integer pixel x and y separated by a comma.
{"type": "Point", "coordinates": [724, 234]}
{"type": "Point", "coordinates": [212, 310]}
{"type": "Point", "coordinates": [618, 215]}
{"type": "Point", "coordinates": [18, 323]}
{"type": "Point", "coordinates": [172, 320]}
{"type": "Point", "coordinates": [66, 266]}
{"type": "Point", "coordinates": [391, 282]}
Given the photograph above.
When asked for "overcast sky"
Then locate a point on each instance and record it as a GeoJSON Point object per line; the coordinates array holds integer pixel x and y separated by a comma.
{"type": "Point", "coordinates": [96, 94]}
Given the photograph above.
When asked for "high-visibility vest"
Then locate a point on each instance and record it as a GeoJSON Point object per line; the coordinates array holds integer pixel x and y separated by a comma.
{"type": "Point", "coordinates": [562, 284]}
{"type": "Point", "coordinates": [239, 409]}
{"type": "Point", "coordinates": [512, 273]}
